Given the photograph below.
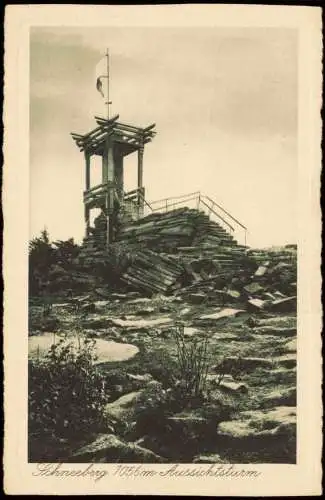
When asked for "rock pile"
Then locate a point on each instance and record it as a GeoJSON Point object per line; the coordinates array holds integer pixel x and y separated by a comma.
{"type": "Point", "coordinates": [163, 252]}
{"type": "Point", "coordinates": [184, 251]}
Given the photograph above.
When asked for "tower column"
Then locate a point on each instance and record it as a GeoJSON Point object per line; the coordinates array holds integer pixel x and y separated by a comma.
{"type": "Point", "coordinates": [108, 163]}
{"type": "Point", "coordinates": [108, 176]}
{"type": "Point", "coordinates": [87, 176]}
{"type": "Point", "coordinates": [140, 179]}
{"type": "Point", "coordinates": [140, 166]}
{"type": "Point", "coordinates": [87, 220]}
{"type": "Point", "coordinates": [87, 186]}
{"type": "Point", "coordinates": [119, 174]}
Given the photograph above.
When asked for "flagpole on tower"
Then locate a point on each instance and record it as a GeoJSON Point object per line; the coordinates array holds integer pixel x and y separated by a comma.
{"type": "Point", "coordinates": [107, 201]}
{"type": "Point", "coordinates": [108, 102]}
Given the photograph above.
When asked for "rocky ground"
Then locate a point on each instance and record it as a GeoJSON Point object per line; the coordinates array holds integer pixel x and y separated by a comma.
{"type": "Point", "coordinates": [248, 413]}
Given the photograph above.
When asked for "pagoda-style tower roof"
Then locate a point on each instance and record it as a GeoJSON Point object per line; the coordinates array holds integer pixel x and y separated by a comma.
{"type": "Point", "coordinates": [127, 138]}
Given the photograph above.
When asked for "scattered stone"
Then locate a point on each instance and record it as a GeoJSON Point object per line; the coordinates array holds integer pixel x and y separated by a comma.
{"type": "Point", "coordinates": [255, 304]}
{"type": "Point", "coordinates": [279, 421]}
{"type": "Point", "coordinates": [145, 311]}
{"type": "Point", "coordinates": [101, 304]}
{"type": "Point", "coordinates": [233, 293]}
{"type": "Point", "coordinates": [109, 448]}
{"type": "Point", "coordinates": [287, 361]}
{"type": "Point", "coordinates": [189, 331]}
{"type": "Point", "coordinates": [88, 308]}
{"type": "Point", "coordinates": [164, 309]}
{"type": "Point", "coordinates": [225, 336]}
{"type": "Point", "coordinates": [278, 321]}
{"type": "Point", "coordinates": [212, 458]}
{"type": "Point", "coordinates": [187, 424]}
{"type": "Point", "coordinates": [247, 365]}
{"type": "Point", "coordinates": [196, 298]}
{"type": "Point", "coordinates": [261, 270]}
{"type": "Point", "coordinates": [277, 331]}
{"type": "Point", "coordinates": [215, 379]}
{"type": "Point", "coordinates": [288, 304]}
{"type": "Point", "coordinates": [281, 397]}
{"type": "Point", "coordinates": [120, 296]}
{"type": "Point", "coordinates": [96, 321]}
{"type": "Point", "coordinates": [123, 407]}
{"type": "Point", "coordinates": [61, 305]}
{"type": "Point", "coordinates": [223, 313]}
{"type": "Point", "coordinates": [253, 288]}
{"type": "Point", "coordinates": [234, 387]}
{"type": "Point", "coordinates": [140, 323]}
{"type": "Point", "coordinates": [291, 346]}
{"type": "Point", "coordinates": [140, 300]}
{"type": "Point", "coordinates": [102, 292]}
{"type": "Point", "coordinates": [147, 377]}
{"type": "Point", "coordinates": [187, 419]}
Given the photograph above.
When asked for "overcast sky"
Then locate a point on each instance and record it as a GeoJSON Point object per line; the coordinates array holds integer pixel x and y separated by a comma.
{"type": "Point", "coordinates": [225, 106]}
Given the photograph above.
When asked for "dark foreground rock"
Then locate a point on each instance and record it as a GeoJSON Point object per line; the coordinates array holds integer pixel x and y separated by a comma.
{"type": "Point", "coordinates": [270, 434]}
{"type": "Point", "coordinates": [110, 448]}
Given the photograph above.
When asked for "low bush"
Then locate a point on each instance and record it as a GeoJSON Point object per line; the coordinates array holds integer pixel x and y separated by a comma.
{"type": "Point", "coordinates": [67, 393]}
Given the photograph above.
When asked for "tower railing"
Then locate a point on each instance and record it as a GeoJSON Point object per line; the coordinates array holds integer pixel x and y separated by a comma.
{"type": "Point", "coordinates": [202, 202]}
{"type": "Point", "coordinates": [136, 206]}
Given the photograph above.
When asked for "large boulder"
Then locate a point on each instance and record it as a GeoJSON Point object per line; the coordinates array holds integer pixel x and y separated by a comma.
{"type": "Point", "coordinates": [260, 435]}
{"type": "Point", "coordinates": [278, 421]}
{"type": "Point", "coordinates": [132, 412]}
{"type": "Point", "coordinates": [280, 397]}
{"type": "Point", "coordinates": [233, 387]}
{"type": "Point", "coordinates": [232, 364]}
{"type": "Point", "coordinates": [107, 448]}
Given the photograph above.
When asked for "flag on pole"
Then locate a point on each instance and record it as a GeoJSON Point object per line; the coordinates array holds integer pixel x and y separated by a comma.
{"type": "Point", "coordinates": [101, 75]}
{"type": "Point", "coordinates": [99, 86]}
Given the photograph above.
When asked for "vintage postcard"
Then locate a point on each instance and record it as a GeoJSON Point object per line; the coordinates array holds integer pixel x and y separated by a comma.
{"type": "Point", "coordinates": [162, 247]}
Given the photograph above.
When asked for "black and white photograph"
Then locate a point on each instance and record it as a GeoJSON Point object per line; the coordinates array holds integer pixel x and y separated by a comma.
{"type": "Point", "coordinates": [163, 247]}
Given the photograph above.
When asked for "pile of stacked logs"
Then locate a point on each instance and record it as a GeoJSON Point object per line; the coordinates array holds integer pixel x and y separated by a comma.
{"type": "Point", "coordinates": [133, 267]}
{"type": "Point", "coordinates": [152, 272]}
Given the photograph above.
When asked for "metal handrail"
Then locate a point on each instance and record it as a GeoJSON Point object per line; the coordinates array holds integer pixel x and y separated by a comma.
{"type": "Point", "coordinates": [173, 204]}
{"type": "Point", "coordinates": [175, 198]}
{"type": "Point", "coordinates": [224, 211]}
{"type": "Point", "coordinates": [217, 215]}
{"type": "Point", "coordinates": [145, 201]}
{"type": "Point", "coordinates": [134, 194]}
{"type": "Point", "coordinates": [166, 204]}
{"type": "Point", "coordinates": [206, 201]}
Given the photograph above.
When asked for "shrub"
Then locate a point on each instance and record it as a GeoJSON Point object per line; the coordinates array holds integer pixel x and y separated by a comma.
{"type": "Point", "coordinates": [52, 265]}
{"type": "Point", "coordinates": [66, 392]}
{"type": "Point", "coordinates": [193, 364]}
